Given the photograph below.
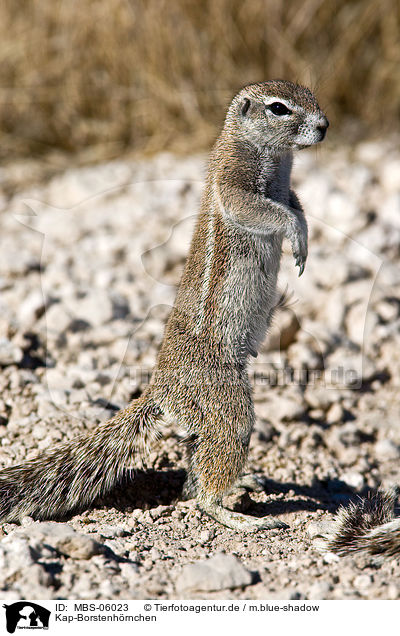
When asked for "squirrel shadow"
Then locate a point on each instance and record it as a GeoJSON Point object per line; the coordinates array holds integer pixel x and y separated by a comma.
{"type": "Point", "coordinates": [147, 489]}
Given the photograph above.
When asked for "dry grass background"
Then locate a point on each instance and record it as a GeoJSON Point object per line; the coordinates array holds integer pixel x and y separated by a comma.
{"type": "Point", "coordinates": [104, 76]}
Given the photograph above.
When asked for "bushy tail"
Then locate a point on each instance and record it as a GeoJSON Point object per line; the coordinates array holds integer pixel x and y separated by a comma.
{"type": "Point", "coordinates": [368, 526]}
{"type": "Point", "coordinates": [75, 473]}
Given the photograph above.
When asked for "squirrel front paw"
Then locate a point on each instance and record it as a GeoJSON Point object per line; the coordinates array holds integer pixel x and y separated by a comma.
{"type": "Point", "coordinates": [298, 237]}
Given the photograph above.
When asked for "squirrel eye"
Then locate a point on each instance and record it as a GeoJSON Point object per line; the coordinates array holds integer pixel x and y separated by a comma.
{"type": "Point", "coordinates": [279, 109]}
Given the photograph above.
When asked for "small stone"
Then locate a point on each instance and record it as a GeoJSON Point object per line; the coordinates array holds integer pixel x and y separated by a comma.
{"type": "Point", "coordinates": [109, 532]}
{"type": "Point", "coordinates": [160, 511]}
{"type": "Point", "coordinates": [220, 572]}
{"type": "Point", "coordinates": [16, 553]}
{"type": "Point", "coordinates": [319, 397]}
{"type": "Point", "coordinates": [206, 536]}
{"type": "Point", "coordinates": [107, 589]}
{"type": "Point", "coordinates": [136, 514]}
{"type": "Point", "coordinates": [9, 352]}
{"type": "Point", "coordinates": [155, 554]}
{"type": "Point", "coordinates": [130, 572]}
{"type": "Point", "coordinates": [58, 318]}
{"type": "Point", "coordinates": [27, 521]}
{"type": "Point", "coordinates": [353, 479]}
{"type": "Point", "coordinates": [39, 431]}
{"type": "Point", "coordinates": [360, 322]}
{"type": "Point", "coordinates": [318, 528]}
{"type": "Point", "coordinates": [387, 310]}
{"type": "Point", "coordinates": [301, 356]}
{"type": "Point", "coordinates": [347, 368]}
{"type": "Point", "coordinates": [283, 407]}
{"type": "Point", "coordinates": [335, 414]}
{"type": "Point", "coordinates": [317, 414]}
{"type": "Point", "coordinates": [349, 434]}
{"type": "Point", "coordinates": [319, 590]}
{"type": "Point", "coordinates": [32, 308]}
{"type": "Point", "coordinates": [61, 537]}
{"type": "Point", "coordinates": [393, 592]}
{"type": "Point", "coordinates": [330, 557]}
{"type": "Point", "coordinates": [386, 449]}
{"type": "Point", "coordinates": [332, 311]}
{"type": "Point", "coordinates": [147, 518]}
{"type": "Point", "coordinates": [362, 581]}
{"type": "Point", "coordinates": [330, 272]}
{"type": "Point", "coordinates": [94, 309]}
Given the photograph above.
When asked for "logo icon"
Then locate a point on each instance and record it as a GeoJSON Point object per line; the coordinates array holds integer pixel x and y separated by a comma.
{"type": "Point", "coordinates": [26, 615]}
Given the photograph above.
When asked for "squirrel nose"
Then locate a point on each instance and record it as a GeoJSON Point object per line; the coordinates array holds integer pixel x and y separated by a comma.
{"type": "Point", "coordinates": [322, 127]}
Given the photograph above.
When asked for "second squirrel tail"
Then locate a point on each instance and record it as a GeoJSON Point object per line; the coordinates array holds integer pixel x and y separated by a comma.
{"type": "Point", "coordinates": [368, 525]}
{"type": "Point", "coordinates": [75, 473]}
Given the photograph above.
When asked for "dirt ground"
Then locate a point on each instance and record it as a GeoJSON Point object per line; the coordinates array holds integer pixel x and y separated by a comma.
{"type": "Point", "coordinates": [89, 265]}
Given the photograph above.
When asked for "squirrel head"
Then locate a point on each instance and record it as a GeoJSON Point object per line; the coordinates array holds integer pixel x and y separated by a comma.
{"type": "Point", "coordinates": [277, 115]}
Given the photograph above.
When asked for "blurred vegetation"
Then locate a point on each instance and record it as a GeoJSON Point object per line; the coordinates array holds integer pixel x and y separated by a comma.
{"type": "Point", "coordinates": [104, 76]}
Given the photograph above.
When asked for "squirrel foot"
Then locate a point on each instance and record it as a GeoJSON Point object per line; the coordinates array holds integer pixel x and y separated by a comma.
{"type": "Point", "coordinates": [239, 521]}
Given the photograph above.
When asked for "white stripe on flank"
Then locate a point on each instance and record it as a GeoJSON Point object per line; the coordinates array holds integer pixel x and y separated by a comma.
{"type": "Point", "coordinates": [207, 271]}
{"type": "Point", "coordinates": [218, 200]}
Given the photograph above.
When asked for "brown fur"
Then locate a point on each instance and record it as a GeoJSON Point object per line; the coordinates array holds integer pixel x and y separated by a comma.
{"type": "Point", "coordinates": [222, 311]}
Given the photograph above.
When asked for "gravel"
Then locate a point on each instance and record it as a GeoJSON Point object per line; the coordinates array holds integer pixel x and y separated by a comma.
{"type": "Point", "coordinates": [89, 264]}
{"type": "Point", "coordinates": [220, 572]}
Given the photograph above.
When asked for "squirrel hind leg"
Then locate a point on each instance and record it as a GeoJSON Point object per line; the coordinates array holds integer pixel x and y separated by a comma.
{"type": "Point", "coordinates": [214, 476]}
{"type": "Point", "coordinates": [217, 455]}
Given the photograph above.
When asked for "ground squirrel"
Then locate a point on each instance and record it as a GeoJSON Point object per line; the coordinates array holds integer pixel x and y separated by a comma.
{"type": "Point", "coordinates": [223, 308]}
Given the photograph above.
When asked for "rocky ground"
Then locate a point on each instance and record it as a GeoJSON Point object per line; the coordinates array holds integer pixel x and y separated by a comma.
{"type": "Point", "coordinates": [89, 262]}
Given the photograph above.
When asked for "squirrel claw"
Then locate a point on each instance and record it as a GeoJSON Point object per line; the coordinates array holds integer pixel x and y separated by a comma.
{"type": "Point", "coordinates": [300, 263]}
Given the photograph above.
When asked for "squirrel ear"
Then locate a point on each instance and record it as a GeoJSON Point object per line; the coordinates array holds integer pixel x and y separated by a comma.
{"type": "Point", "coordinates": [244, 106]}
